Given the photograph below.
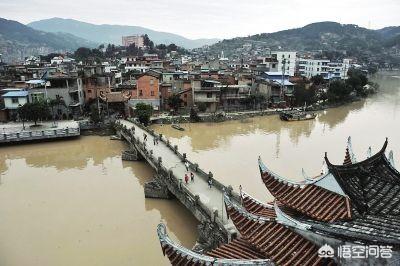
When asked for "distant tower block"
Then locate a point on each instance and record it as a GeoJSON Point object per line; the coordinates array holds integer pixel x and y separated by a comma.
{"type": "Point", "coordinates": [137, 40]}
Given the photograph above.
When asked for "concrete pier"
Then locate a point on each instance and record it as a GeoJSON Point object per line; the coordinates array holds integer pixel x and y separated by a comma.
{"type": "Point", "coordinates": [14, 132]}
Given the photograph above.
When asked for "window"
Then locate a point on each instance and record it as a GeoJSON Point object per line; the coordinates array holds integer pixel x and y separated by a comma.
{"type": "Point", "coordinates": [152, 93]}
{"type": "Point", "coordinates": [140, 93]}
{"type": "Point", "coordinates": [151, 81]}
{"type": "Point", "coordinates": [209, 94]}
{"type": "Point", "coordinates": [15, 100]}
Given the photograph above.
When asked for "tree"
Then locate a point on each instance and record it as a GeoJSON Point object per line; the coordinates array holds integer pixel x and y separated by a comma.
{"type": "Point", "coordinates": [202, 107]}
{"type": "Point", "coordinates": [357, 80]}
{"type": "Point", "coordinates": [338, 91]}
{"type": "Point", "coordinates": [317, 80]}
{"type": "Point", "coordinates": [55, 103]}
{"type": "Point", "coordinates": [175, 101]}
{"type": "Point", "coordinates": [82, 53]}
{"type": "Point", "coordinates": [194, 117]}
{"type": "Point", "coordinates": [147, 42]}
{"type": "Point", "coordinates": [94, 114]}
{"type": "Point", "coordinates": [143, 112]}
{"type": "Point", "coordinates": [303, 95]}
{"type": "Point", "coordinates": [34, 111]}
{"type": "Point", "coordinates": [253, 100]}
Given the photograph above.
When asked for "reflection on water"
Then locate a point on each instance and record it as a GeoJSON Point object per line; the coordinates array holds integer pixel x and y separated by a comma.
{"type": "Point", "coordinates": [230, 149]}
{"type": "Point", "coordinates": [76, 203]}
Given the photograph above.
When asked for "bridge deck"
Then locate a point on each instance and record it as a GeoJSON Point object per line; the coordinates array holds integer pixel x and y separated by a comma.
{"type": "Point", "coordinates": [212, 198]}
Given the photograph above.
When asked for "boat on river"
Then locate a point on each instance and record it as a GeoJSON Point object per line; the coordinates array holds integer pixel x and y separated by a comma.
{"type": "Point", "coordinates": [296, 115]}
{"type": "Point", "coordinates": [177, 127]}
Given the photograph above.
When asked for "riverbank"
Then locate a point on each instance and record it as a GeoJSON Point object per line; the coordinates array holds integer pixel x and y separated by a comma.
{"type": "Point", "coordinates": [228, 116]}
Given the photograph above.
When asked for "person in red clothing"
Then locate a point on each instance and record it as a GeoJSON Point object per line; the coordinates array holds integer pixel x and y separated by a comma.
{"type": "Point", "coordinates": [186, 178]}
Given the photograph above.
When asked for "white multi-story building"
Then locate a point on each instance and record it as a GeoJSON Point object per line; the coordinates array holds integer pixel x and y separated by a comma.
{"type": "Point", "coordinates": [287, 59]}
{"type": "Point", "coordinates": [338, 70]}
{"type": "Point", "coordinates": [312, 67]}
{"type": "Point", "coordinates": [308, 68]}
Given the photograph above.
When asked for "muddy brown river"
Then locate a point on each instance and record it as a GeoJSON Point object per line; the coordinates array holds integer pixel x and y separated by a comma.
{"type": "Point", "coordinates": [76, 203]}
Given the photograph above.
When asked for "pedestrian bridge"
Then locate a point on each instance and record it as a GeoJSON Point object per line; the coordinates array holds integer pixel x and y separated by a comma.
{"type": "Point", "coordinates": [206, 204]}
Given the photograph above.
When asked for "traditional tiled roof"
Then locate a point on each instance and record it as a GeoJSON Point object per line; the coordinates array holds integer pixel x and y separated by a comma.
{"type": "Point", "coordinates": [371, 229]}
{"type": "Point", "coordinates": [179, 255]}
{"type": "Point", "coordinates": [256, 207]}
{"type": "Point", "coordinates": [373, 185]}
{"type": "Point", "coordinates": [307, 198]}
{"type": "Point", "coordinates": [259, 208]}
{"type": "Point", "coordinates": [274, 240]}
{"type": "Point", "coordinates": [236, 249]}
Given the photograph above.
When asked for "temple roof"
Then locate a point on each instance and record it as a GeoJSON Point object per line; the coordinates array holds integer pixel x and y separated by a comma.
{"type": "Point", "coordinates": [274, 240]}
{"type": "Point", "coordinates": [373, 185]}
{"type": "Point", "coordinates": [257, 207]}
{"type": "Point", "coordinates": [229, 254]}
{"type": "Point", "coordinates": [368, 229]}
{"type": "Point", "coordinates": [308, 198]}
{"type": "Point", "coordinates": [236, 249]}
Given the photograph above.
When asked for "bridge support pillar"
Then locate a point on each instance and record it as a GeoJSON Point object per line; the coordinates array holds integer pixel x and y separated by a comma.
{"type": "Point", "coordinates": [132, 155]}
{"type": "Point", "coordinates": [210, 237]}
{"type": "Point", "coordinates": [156, 189]}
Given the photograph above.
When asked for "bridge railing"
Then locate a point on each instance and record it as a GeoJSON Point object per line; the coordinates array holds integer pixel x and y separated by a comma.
{"type": "Point", "coordinates": [194, 166]}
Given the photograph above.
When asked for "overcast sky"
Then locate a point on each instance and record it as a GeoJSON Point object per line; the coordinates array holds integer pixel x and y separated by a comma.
{"type": "Point", "coordinates": [209, 18]}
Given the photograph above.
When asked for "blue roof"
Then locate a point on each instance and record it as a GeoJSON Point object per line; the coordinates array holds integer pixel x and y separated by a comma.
{"type": "Point", "coordinates": [285, 82]}
{"type": "Point", "coordinates": [15, 94]}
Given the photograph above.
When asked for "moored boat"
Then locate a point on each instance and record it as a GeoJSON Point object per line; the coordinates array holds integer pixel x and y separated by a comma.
{"type": "Point", "coordinates": [296, 115]}
{"type": "Point", "coordinates": [177, 127]}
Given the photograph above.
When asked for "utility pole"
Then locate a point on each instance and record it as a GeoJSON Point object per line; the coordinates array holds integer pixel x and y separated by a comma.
{"type": "Point", "coordinates": [283, 77]}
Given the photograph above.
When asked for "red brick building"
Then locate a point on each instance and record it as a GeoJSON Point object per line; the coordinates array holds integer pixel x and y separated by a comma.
{"type": "Point", "coordinates": [147, 86]}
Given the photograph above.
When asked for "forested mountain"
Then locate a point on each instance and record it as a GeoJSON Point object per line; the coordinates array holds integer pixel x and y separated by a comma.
{"type": "Point", "coordinates": [113, 33]}
{"type": "Point", "coordinates": [18, 41]}
{"type": "Point", "coordinates": [347, 39]}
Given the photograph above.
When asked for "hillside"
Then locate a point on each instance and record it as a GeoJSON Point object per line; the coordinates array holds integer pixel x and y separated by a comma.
{"type": "Point", "coordinates": [350, 40]}
{"type": "Point", "coordinates": [18, 41]}
{"type": "Point", "coordinates": [113, 33]}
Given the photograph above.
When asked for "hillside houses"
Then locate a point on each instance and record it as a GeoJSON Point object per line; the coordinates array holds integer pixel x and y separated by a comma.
{"type": "Point", "coordinates": [207, 84]}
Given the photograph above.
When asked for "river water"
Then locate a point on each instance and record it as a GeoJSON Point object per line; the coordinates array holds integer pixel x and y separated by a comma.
{"type": "Point", "coordinates": [230, 149]}
{"type": "Point", "coordinates": [76, 203]}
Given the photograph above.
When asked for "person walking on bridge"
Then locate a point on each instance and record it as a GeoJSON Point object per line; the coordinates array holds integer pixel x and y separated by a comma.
{"type": "Point", "coordinates": [187, 165]}
{"type": "Point", "coordinates": [186, 179]}
{"type": "Point", "coordinates": [144, 136]}
{"type": "Point", "coordinates": [209, 182]}
{"type": "Point", "coordinates": [192, 176]}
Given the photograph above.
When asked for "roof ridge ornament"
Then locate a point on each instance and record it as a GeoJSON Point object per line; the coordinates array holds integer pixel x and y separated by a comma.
{"type": "Point", "coordinates": [350, 149]}
{"type": "Point", "coordinates": [391, 158]}
{"type": "Point", "coordinates": [264, 169]}
{"type": "Point", "coordinates": [266, 205]}
{"type": "Point", "coordinates": [244, 212]}
{"type": "Point", "coordinates": [369, 152]}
